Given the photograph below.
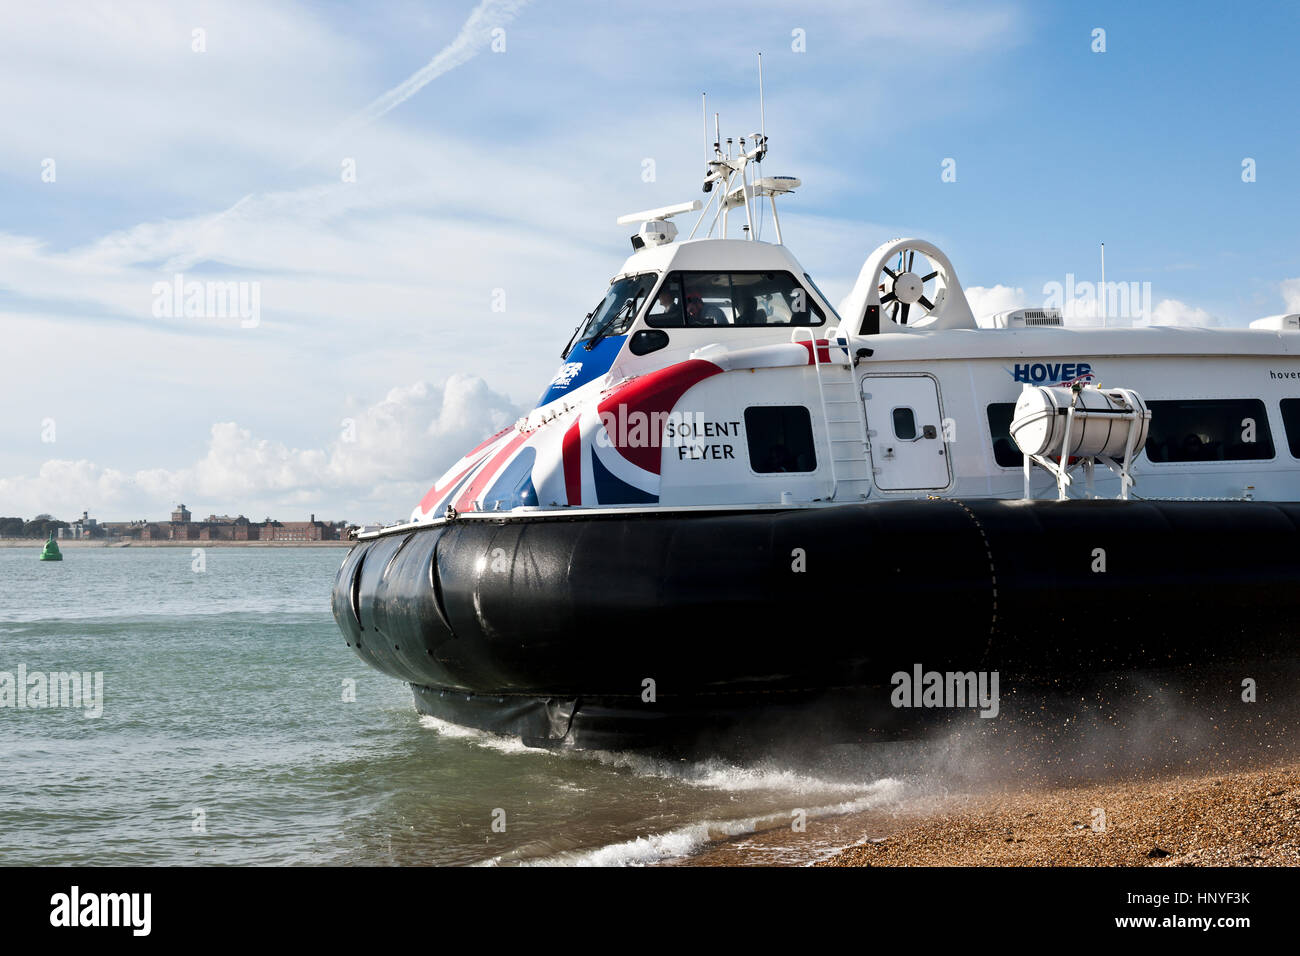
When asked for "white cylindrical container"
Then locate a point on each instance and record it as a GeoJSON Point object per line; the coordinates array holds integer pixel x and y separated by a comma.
{"type": "Point", "coordinates": [1101, 421]}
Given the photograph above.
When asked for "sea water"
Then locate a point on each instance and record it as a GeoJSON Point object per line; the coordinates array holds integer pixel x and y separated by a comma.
{"type": "Point", "coordinates": [237, 728]}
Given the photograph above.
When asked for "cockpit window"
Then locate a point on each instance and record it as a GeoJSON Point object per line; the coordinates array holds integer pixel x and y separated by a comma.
{"type": "Point", "coordinates": [616, 312]}
{"type": "Point", "coordinates": [666, 310]}
{"type": "Point", "coordinates": [715, 299]}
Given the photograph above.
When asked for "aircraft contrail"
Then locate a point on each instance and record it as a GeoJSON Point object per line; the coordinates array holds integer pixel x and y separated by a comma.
{"type": "Point", "coordinates": [473, 36]}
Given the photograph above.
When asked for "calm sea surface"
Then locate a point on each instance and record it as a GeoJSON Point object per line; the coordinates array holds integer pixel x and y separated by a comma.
{"type": "Point", "coordinates": [224, 712]}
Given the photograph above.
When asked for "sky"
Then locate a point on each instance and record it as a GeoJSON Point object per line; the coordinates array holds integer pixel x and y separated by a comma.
{"type": "Point", "coordinates": [417, 201]}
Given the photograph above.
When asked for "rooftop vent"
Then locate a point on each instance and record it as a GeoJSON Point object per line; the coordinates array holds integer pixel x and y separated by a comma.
{"type": "Point", "coordinates": [1026, 318]}
{"type": "Point", "coordinates": [1279, 323]}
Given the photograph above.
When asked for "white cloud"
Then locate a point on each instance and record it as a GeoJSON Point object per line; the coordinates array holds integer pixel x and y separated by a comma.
{"type": "Point", "coordinates": [1086, 313]}
{"type": "Point", "coordinates": [383, 458]}
{"type": "Point", "coordinates": [418, 431]}
{"type": "Point", "coordinates": [989, 300]}
{"type": "Point", "coordinates": [1119, 305]}
{"type": "Point", "coordinates": [1173, 312]}
{"type": "Point", "coordinates": [1291, 293]}
{"type": "Point", "coordinates": [488, 16]}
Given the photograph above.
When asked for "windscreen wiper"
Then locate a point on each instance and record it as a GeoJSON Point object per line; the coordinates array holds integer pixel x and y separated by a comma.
{"type": "Point", "coordinates": [574, 337]}
{"type": "Point", "coordinates": [603, 330]}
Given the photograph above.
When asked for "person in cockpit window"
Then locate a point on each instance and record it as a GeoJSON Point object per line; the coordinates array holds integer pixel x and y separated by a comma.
{"type": "Point", "coordinates": [666, 303]}
{"type": "Point", "coordinates": [751, 313]}
{"type": "Point", "coordinates": [695, 309]}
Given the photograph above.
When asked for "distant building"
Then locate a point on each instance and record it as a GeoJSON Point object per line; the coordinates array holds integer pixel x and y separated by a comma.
{"type": "Point", "coordinates": [124, 529]}
{"type": "Point", "coordinates": [226, 528]}
{"type": "Point", "coordinates": [182, 527]}
{"type": "Point", "coordinates": [311, 530]}
{"type": "Point", "coordinates": [83, 527]}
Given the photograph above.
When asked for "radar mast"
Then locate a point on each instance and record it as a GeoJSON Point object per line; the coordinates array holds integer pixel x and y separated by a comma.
{"type": "Point", "coordinates": [730, 184]}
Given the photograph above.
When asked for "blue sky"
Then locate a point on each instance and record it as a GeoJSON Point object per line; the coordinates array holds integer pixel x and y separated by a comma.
{"type": "Point", "coordinates": [506, 171]}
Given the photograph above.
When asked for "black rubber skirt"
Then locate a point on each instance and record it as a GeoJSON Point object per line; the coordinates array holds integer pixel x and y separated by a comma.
{"type": "Point", "coordinates": [630, 628]}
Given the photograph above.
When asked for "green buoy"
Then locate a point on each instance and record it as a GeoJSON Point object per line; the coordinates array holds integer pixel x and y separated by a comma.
{"type": "Point", "coordinates": [51, 550]}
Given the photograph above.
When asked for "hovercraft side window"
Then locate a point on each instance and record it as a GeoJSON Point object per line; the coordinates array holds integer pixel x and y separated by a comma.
{"type": "Point", "coordinates": [780, 439]}
{"type": "Point", "coordinates": [1233, 429]}
{"type": "Point", "coordinates": [1291, 422]}
{"type": "Point", "coordinates": [728, 299]}
{"type": "Point", "coordinates": [1005, 451]}
{"type": "Point", "coordinates": [904, 424]}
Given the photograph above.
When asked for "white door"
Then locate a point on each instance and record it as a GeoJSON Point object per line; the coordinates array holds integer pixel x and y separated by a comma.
{"type": "Point", "coordinates": [905, 426]}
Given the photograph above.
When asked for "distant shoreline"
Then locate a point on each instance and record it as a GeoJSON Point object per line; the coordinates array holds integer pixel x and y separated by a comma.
{"type": "Point", "coordinates": [37, 543]}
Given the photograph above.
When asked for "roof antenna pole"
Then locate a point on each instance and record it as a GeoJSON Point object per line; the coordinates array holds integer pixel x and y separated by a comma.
{"type": "Point", "coordinates": [744, 191]}
{"type": "Point", "coordinates": [709, 182]}
{"type": "Point", "coordinates": [1102, 292]}
{"type": "Point", "coordinates": [704, 122]}
{"type": "Point", "coordinates": [726, 183]}
{"type": "Point", "coordinates": [762, 132]}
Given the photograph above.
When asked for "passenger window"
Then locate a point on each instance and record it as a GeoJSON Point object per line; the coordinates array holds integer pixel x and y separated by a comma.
{"type": "Point", "coordinates": [1209, 430]}
{"type": "Point", "coordinates": [1005, 451]}
{"type": "Point", "coordinates": [780, 439]}
{"type": "Point", "coordinates": [708, 299]}
{"type": "Point", "coordinates": [717, 299]}
{"type": "Point", "coordinates": [904, 424]}
{"type": "Point", "coordinates": [1291, 422]}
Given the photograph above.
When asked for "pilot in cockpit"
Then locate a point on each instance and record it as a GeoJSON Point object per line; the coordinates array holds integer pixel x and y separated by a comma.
{"type": "Point", "coordinates": [668, 309]}
{"type": "Point", "coordinates": [695, 310]}
{"type": "Point", "coordinates": [666, 303]}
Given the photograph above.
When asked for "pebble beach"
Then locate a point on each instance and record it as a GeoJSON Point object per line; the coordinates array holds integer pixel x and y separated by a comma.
{"type": "Point", "coordinates": [1247, 818]}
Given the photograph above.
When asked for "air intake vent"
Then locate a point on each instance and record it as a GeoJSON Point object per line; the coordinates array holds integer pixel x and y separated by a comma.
{"type": "Point", "coordinates": [1025, 318]}
{"type": "Point", "coordinates": [1279, 323]}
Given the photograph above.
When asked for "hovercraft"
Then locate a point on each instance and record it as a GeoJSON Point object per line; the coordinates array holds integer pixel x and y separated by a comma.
{"type": "Point", "coordinates": [733, 501]}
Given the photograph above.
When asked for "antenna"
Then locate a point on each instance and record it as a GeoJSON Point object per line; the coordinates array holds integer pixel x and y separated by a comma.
{"type": "Point", "coordinates": [760, 147]}
{"type": "Point", "coordinates": [1102, 292]}
{"type": "Point", "coordinates": [740, 185]}
{"type": "Point", "coordinates": [704, 122]}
